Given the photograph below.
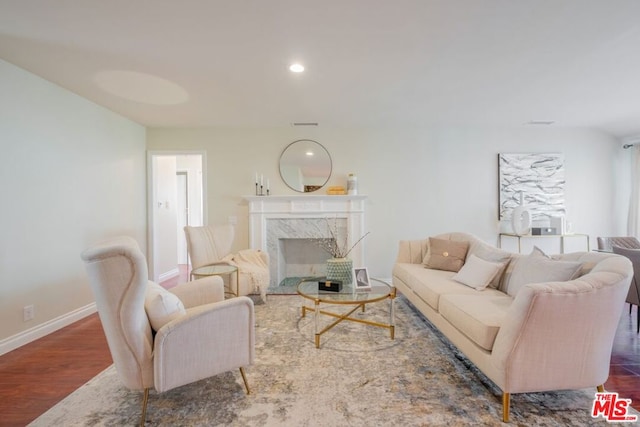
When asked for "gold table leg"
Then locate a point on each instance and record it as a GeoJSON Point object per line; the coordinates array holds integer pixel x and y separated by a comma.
{"type": "Point", "coordinates": [341, 317]}
{"type": "Point", "coordinates": [237, 282]}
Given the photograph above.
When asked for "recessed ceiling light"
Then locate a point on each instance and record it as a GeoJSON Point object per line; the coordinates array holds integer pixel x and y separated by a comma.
{"type": "Point", "coordinates": [309, 153]}
{"type": "Point", "coordinates": [296, 68]}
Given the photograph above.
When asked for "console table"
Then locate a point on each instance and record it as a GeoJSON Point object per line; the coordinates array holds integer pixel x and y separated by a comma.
{"type": "Point", "coordinates": [527, 242]}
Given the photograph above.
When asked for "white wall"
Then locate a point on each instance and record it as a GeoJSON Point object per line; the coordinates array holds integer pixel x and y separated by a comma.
{"type": "Point", "coordinates": [72, 173]}
{"type": "Point", "coordinates": [192, 166]}
{"type": "Point", "coordinates": [165, 218]}
{"type": "Point", "coordinates": [420, 182]}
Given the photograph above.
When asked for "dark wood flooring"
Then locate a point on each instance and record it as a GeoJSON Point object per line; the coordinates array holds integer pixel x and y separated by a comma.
{"type": "Point", "coordinates": [35, 377]}
{"type": "Point", "coordinates": [624, 374]}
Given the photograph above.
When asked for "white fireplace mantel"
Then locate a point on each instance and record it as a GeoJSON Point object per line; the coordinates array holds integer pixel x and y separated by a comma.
{"type": "Point", "coordinates": [265, 208]}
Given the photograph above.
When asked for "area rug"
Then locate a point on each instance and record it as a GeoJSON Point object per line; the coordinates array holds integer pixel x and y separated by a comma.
{"type": "Point", "coordinates": [358, 377]}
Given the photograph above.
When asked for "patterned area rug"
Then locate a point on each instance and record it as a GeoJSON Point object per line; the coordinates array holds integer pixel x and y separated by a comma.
{"type": "Point", "coordinates": [359, 377]}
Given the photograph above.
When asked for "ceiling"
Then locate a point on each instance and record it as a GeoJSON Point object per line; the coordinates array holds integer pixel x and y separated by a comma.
{"type": "Point", "coordinates": [369, 63]}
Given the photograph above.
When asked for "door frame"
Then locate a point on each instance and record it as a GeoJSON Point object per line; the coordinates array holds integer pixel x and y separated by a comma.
{"type": "Point", "coordinates": [150, 201]}
{"type": "Point", "coordinates": [182, 244]}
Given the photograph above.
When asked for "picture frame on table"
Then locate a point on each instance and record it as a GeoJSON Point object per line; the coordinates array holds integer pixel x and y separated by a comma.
{"type": "Point", "coordinates": [361, 278]}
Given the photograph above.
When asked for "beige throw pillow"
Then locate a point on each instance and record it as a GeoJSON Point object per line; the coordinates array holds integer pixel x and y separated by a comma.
{"type": "Point", "coordinates": [161, 306]}
{"type": "Point", "coordinates": [477, 273]}
{"type": "Point", "coordinates": [534, 268]}
{"type": "Point", "coordinates": [448, 255]}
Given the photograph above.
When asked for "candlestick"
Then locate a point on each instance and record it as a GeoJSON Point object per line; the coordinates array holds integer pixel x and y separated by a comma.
{"type": "Point", "coordinates": [261, 180]}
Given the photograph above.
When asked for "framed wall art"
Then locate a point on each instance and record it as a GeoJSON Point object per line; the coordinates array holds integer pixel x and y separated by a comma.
{"type": "Point", "coordinates": [535, 178]}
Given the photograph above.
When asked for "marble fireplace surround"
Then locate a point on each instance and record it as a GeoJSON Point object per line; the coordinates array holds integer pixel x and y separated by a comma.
{"type": "Point", "coordinates": [273, 219]}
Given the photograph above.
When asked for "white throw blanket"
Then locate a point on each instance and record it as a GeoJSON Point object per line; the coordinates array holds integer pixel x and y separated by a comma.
{"type": "Point", "coordinates": [253, 267]}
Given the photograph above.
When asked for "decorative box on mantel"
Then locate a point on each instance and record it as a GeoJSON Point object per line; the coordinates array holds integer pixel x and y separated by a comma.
{"type": "Point", "coordinates": [275, 218]}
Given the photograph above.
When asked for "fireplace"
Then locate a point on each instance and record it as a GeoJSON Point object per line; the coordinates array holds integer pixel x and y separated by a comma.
{"type": "Point", "coordinates": [286, 226]}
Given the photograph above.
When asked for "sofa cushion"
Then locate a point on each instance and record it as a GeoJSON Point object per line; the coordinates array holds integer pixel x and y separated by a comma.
{"type": "Point", "coordinates": [161, 306]}
{"type": "Point", "coordinates": [430, 284]}
{"type": "Point", "coordinates": [447, 255]}
{"type": "Point", "coordinates": [535, 268]}
{"type": "Point", "coordinates": [477, 316]}
{"type": "Point", "coordinates": [588, 260]}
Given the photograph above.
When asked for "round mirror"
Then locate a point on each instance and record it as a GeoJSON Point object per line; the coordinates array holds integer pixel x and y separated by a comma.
{"type": "Point", "coordinates": [305, 165]}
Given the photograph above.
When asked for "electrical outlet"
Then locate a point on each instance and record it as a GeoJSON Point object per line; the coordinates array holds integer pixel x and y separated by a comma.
{"type": "Point", "coordinates": [233, 220]}
{"type": "Point", "coordinates": [28, 313]}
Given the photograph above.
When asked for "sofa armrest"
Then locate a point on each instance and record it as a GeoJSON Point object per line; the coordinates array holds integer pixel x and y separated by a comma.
{"type": "Point", "coordinates": [559, 335]}
{"type": "Point", "coordinates": [208, 340]}
{"type": "Point", "coordinates": [412, 251]}
{"type": "Point", "coordinates": [201, 291]}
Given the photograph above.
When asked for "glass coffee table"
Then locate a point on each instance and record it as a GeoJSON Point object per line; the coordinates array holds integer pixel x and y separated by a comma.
{"type": "Point", "coordinates": [218, 270]}
{"type": "Point", "coordinates": [379, 291]}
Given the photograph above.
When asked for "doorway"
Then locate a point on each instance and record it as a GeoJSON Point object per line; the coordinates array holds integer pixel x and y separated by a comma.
{"type": "Point", "coordinates": [175, 198]}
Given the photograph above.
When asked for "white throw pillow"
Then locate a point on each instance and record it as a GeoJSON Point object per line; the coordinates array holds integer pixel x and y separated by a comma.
{"type": "Point", "coordinates": [161, 306]}
{"type": "Point", "coordinates": [477, 273]}
{"type": "Point", "coordinates": [534, 268]}
{"type": "Point", "coordinates": [494, 255]}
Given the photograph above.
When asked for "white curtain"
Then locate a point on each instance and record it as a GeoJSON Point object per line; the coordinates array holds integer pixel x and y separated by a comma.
{"type": "Point", "coordinates": [633, 224]}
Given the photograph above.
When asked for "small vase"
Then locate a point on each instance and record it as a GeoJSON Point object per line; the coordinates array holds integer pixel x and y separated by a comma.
{"type": "Point", "coordinates": [521, 218]}
{"type": "Point", "coordinates": [340, 269]}
{"type": "Point", "coordinates": [521, 221]}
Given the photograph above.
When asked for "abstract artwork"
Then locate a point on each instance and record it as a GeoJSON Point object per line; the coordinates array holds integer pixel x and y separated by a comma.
{"type": "Point", "coordinates": [536, 177]}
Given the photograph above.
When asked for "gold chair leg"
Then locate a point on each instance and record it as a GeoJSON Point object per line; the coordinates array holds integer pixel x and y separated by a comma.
{"type": "Point", "coordinates": [506, 400]}
{"type": "Point", "coordinates": [600, 388]}
{"type": "Point", "coordinates": [244, 378]}
{"type": "Point", "coordinates": [145, 399]}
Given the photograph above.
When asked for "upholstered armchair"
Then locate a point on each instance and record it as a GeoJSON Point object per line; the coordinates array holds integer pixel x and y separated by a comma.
{"type": "Point", "coordinates": [156, 337]}
{"type": "Point", "coordinates": [607, 243]}
{"type": "Point", "coordinates": [633, 297]}
{"type": "Point", "coordinates": [212, 244]}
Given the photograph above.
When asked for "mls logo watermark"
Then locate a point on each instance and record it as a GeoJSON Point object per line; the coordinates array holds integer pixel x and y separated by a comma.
{"type": "Point", "coordinates": [612, 408]}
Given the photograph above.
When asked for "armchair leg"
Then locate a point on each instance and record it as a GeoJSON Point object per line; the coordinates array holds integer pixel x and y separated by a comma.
{"type": "Point", "coordinates": [506, 401]}
{"type": "Point", "coordinates": [145, 399]}
{"type": "Point", "coordinates": [244, 378]}
{"type": "Point", "coordinates": [600, 388]}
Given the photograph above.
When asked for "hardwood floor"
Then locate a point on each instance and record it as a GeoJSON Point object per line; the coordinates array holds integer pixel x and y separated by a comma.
{"type": "Point", "coordinates": [35, 377]}
{"type": "Point", "coordinates": [38, 375]}
{"type": "Point", "coordinates": [624, 374]}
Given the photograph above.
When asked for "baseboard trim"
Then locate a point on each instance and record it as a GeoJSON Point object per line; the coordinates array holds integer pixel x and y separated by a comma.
{"type": "Point", "coordinates": [168, 275]}
{"type": "Point", "coordinates": [44, 329]}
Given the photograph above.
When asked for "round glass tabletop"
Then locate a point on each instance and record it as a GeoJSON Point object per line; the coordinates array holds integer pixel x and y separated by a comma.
{"type": "Point", "coordinates": [212, 270]}
{"type": "Point", "coordinates": [348, 295]}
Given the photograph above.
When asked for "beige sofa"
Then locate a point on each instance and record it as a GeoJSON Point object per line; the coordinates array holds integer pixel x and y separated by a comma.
{"type": "Point", "coordinates": [549, 335]}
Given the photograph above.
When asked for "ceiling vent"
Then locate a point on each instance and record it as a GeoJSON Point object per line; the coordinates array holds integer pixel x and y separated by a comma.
{"type": "Point", "coordinates": [541, 122]}
{"type": "Point", "coordinates": [304, 124]}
